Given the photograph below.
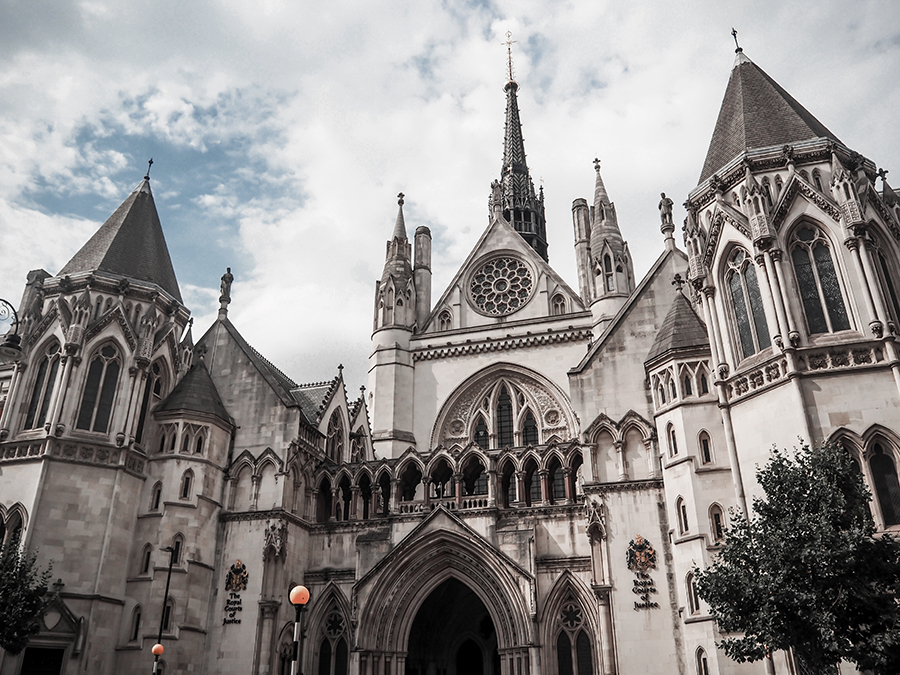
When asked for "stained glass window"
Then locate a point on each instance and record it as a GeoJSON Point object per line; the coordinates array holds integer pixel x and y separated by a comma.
{"type": "Point", "coordinates": [99, 391]}
{"type": "Point", "coordinates": [887, 487]}
{"type": "Point", "coordinates": [747, 304]}
{"type": "Point", "coordinates": [820, 291]}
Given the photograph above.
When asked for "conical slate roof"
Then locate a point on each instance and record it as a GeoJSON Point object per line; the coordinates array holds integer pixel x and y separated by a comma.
{"type": "Point", "coordinates": [131, 244]}
{"type": "Point", "coordinates": [757, 113]}
{"type": "Point", "coordinates": [681, 329]}
{"type": "Point", "coordinates": [196, 392]}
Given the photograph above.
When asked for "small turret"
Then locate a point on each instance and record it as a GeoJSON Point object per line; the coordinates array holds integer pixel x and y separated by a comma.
{"type": "Point", "coordinates": [395, 294]}
{"type": "Point", "coordinates": [422, 275]}
{"type": "Point", "coordinates": [843, 188]}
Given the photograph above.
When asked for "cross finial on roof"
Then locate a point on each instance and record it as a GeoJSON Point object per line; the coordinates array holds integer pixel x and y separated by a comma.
{"type": "Point", "coordinates": [678, 281]}
{"type": "Point", "coordinates": [882, 174]}
{"type": "Point", "coordinates": [596, 163]}
{"type": "Point", "coordinates": [400, 197]}
{"type": "Point", "coordinates": [737, 47]}
{"type": "Point", "coordinates": [509, 43]}
{"type": "Point", "coordinates": [149, 164]}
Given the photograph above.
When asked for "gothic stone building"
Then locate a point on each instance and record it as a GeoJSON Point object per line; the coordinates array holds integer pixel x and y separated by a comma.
{"type": "Point", "coordinates": [534, 469]}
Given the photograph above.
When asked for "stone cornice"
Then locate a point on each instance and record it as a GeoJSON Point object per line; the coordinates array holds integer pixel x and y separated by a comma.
{"type": "Point", "coordinates": [501, 344]}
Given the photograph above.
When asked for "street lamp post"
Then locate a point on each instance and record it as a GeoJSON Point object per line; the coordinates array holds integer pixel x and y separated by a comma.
{"type": "Point", "coordinates": [11, 347]}
{"type": "Point", "coordinates": [299, 597]}
{"type": "Point", "coordinates": [158, 649]}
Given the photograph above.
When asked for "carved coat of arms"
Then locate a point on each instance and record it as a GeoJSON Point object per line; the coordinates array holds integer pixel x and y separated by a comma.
{"type": "Point", "coordinates": [236, 579]}
{"type": "Point", "coordinates": [640, 556]}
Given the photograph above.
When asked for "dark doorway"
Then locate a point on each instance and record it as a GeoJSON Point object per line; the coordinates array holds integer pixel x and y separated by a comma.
{"type": "Point", "coordinates": [452, 634]}
{"type": "Point", "coordinates": [42, 661]}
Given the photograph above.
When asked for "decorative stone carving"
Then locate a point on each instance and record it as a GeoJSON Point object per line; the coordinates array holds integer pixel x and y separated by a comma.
{"type": "Point", "coordinates": [641, 556]}
{"type": "Point", "coordinates": [276, 537]}
{"type": "Point", "coordinates": [593, 515]}
{"type": "Point", "coordinates": [236, 578]}
{"type": "Point", "coordinates": [501, 286]}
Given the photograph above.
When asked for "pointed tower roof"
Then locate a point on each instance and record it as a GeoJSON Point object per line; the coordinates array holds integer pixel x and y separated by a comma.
{"type": "Point", "coordinates": [196, 392]}
{"type": "Point", "coordinates": [400, 225]}
{"type": "Point", "coordinates": [757, 113]}
{"type": "Point", "coordinates": [131, 244]}
{"type": "Point", "coordinates": [681, 329]}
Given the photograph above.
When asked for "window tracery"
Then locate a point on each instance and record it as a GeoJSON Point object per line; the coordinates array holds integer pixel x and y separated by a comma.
{"type": "Point", "coordinates": [42, 391]}
{"type": "Point", "coordinates": [886, 483]}
{"type": "Point", "coordinates": [573, 645]}
{"type": "Point", "coordinates": [746, 303]}
{"type": "Point", "coordinates": [445, 320]}
{"type": "Point", "coordinates": [99, 390]}
{"type": "Point", "coordinates": [334, 442]}
{"type": "Point", "coordinates": [501, 286]}
{"type": "Point", "coordinates": [333, 653]}
{"type": "Point", "coordinates": [820, 290]}
{"type": "Point", "coordinates": [558, 305]}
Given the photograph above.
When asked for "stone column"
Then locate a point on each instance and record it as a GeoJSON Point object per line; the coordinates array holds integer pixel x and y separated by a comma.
{"type": "Point", "coordinates": [765, 291]}
{"type": "Point", "coordinates": [18, 368]}
{"type": "Point", "coordinates": [875, 324]}
{"type": "Point", "coordinates": [607, 646]}
{"type": "Point", "coordinates": [255, 482]}
{"type": "Point", "coordinates": [336, 505]}
{"type": "Point", "coordinates": [620, 458]}
{"type": "Point", "coordinates": [492, 489]}
{"type": "Point", "coordinates": [458, 486]}
{"type": "Point", "coordinates": [394, 505]}
{"type": "Point", "coordinates": [354, 502]}
{"type": "Point", "coordinates": [543, 476]}
{"type": "Point", "coordinates": [426, 490]}
{"type": "Point", "coordinates": [567, 481]}
{"type": "Point", "coordinates": [794, 334]}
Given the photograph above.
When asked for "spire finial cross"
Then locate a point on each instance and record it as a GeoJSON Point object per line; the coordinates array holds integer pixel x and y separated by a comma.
{"type": "Point", "coordinates": [149, 164]}
{"type": "Point", "coordinates": [678, 281]}
{"type": "Point", "coordinates": [596, 163]}
{"type": "Point", "coordinates": [400, 197]}
{"type": "Point", "coordinates": [509, 43]}
{"type": "Point", "coordinates": [737, 47]}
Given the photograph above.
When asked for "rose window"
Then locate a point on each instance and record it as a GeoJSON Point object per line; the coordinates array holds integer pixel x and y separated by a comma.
{"type": "Point", "coordinates": [501, 286]}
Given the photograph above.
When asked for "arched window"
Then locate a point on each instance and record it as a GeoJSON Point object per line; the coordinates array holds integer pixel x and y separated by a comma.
{"type": "Point", "coordinates": [167, 618]}
{"type": "Point", "coordinates": [42, 391]}
{"type": "Point", "coordinates": [767, 191]}
{"type": "Point", "coordinates": [504, 419]}
{"type": "Point", "coordinates": [532, 482]}
{"type": "Point", "coordinates": [187, 482]}
{"type": "Point", "coordinates": [688, 390]}
{"type": "Point", "coordinates": [445, 320]}
{"type": "Point", "coordinates": [481, 433]}
{"type": "Point", "coordinates": [185, 442]}
{"type": "Point", "coordinates": [890, 288]}
{"type": "Point", "coordinates": [574, 654]}
{"type": "Point", "coordinates": [702, 662]}
{"type": "Point", "coordinates": [778, 185]}
{"type": "Point", "coordinates": [557, 482]}
{"type": "Point", "coordinates": [887, 487]}
{"type": "Point", "coordinates": [672, 440]}
{"type": "Point", "coordinates": [145, 559]}
{"type": "Point", "coordinates": [333, 652]}
{"type": "Point", "coordinates": [13, 527]}
{"type": "Point", "coordinates": [746, 303]}
{"type": "Point", "coordinates": [334, 443]}
{"type": "Point", "coordinates": [820, 291]}
{"type": "Point", "coordinates": [817, 179]}
{"type": "Point", "coordinates": [155, 496]}
{"type": "Point", "coordinates": [135, 624]}
{"type": "Point", "coordinates": [717, 523]}
{"type": "Point", "coordinates": [558, 305]}
{"type": "Point", "coordinates": [706, 456]}
{"type": "Point", "coordinates": [99, 390]}
{"type": "Point", "coordinates": [682, 515]}
{"type": "Point", "coordinates": [153, 392]}
{"type": "Point", "coordinates": [610, 283]}
{"type": "Point", "coordinates": [693, 597]}
{"type": "Point", "coordinates": [704, 384]}
{"type": "Point", "coordinates": [198, 446]}
{"type": "Point", "coordinates": [177, 546]}
{"type": "Point", "coordinates": [529, 430]}
{"type": "Point", "coordinates": [162, 443]}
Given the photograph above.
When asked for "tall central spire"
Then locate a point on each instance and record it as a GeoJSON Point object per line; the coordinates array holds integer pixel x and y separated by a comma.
{"type": "Point", "coordinates": [520, 205]}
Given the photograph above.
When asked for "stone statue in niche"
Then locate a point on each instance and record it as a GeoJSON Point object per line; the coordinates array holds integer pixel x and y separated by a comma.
{"type": "Point", "coordinates": [276, 537]}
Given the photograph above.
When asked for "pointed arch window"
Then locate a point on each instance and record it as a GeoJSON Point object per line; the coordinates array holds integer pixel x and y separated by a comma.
{"type": "Point", "coordinates": [609, 278]}
{"type": "Point", "coordinates": [334, 443]}
{"type": "Point", "coordinates": [481, 433]}
{"type": "Point", "coordinates": [153, 392]}
{"type": "Point", "coordinates": [333, 652]}
{"type": "Point", "coordinates": [887, 283]}
{"type": "Point", "coordinates": [155, 496]}
{"type": "Point", "coordinates": [504, 418]}
{"type": "Point", "coordinates": [445, 320]}
{"type": "Point", "coordinates": [820, 290]}
{"type": "Point", "coordinates": [702, 662]}
{"type": "Point", "coordinates": [177, 546]}
{"type": "Point", "coordinates": [704, 384]}
{"type": "Point", "coordinates": [574, 652]}
{"type": "Point", "coordinates": [746, 303]}
{"type": "Point", "coordinates": [42, 391]}
{"type": "Point", "coordinates": [688, 389]}
{"type": "Point", "coordinates": [693, 596]}
{"type": "Point", "coordinates": [717, 523]}
{"type": "Point", "coordinates": [145, 559]}
{"type": "Point", "coordinates": [99, 390]}
{"type": "Point", "coordinates": [135, 624]}
{"type": "Point", "coordinates": [558, 305]}
{"type": "Point", "coordinates": [887, 486]}
{"type": "Point", "coordinates": [187, 482]}
{"type": "Point", "coordinates": [167, 617]}
{"type": "Point", "coordinates": [529, 430]}
{"type": "Point", "coordinates": [682, 515]}
{"type": "Point", "coordinates": [817, 179]}
{"type": "Point", "coordinates": [705, 448]}
{"type": "Point", "coordinates": [672, 439]}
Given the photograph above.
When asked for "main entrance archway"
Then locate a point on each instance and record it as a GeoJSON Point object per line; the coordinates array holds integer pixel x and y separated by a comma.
{"type": "Point", "coordinates": [452, 634]}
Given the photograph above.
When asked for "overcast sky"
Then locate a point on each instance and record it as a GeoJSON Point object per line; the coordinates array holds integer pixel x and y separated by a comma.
{"type": "Point", "coordinates": [281, 132]}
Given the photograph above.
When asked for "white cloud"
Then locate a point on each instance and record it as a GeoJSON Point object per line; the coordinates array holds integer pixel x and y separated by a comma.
{"type": "Point", "coordinates": [312, 116]}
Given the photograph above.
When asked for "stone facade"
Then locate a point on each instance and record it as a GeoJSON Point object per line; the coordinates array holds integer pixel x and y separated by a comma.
{"type": "Point", "coordinates": [532, 472]}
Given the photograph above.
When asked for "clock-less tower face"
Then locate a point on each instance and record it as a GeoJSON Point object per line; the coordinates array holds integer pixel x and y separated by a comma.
{"type": "Point", "coordinates": [500, 286]}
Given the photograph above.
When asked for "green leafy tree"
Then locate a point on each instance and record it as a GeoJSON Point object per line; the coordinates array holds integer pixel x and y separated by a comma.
{"type": "Point", "coordinates": [806, 572]}
{"type": "Point", "coordinates": [23, 595]}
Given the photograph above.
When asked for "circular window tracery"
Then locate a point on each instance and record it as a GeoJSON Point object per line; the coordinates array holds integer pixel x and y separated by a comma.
{"type": "Point", "coordinates": [334, 624]}
{"type": "Point", "coordinates": [571, 616]}
{"type": "Point", "coordinates": [501, 286]}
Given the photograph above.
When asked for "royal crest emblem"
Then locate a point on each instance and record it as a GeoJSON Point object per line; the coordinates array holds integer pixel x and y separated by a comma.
{"type": "Point", "coordinates": [236, 579]}
{"type": "Point", "coordinates": [640, 556]}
